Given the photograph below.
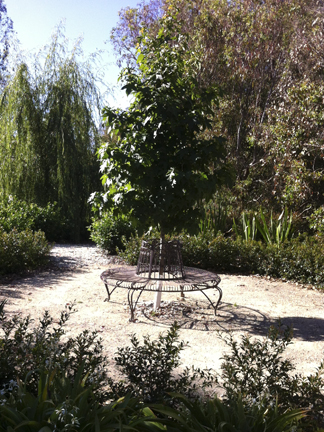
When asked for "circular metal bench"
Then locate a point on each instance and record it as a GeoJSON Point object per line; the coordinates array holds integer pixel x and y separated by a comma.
{"type": "Point", "coordinates": [148, 276]}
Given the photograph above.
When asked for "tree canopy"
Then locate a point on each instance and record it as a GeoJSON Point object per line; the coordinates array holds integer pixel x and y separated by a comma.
{"type": "Point", "coordinates": [265, 57]}
{"type": "Point", "coordinates": [161, 161]}
{"type": "Point", "coordinates": [6, 28]}
{"type": "Point", "coordinates": [49, 133]}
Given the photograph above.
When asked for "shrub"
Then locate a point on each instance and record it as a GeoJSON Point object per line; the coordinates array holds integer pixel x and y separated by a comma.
{"type": "Point", "coordinates": [107, 232]}
{"type": "Point", "coordinates": [20, 215]}
{"type": "Point", "coordinates": [27, 350]}
{"type": "Point", "coordinates": [131, 249]}
{"type": "Point", "coordinates": [56, 383]}
{"type": "Point", "coordinates": [150, 369]}
{"type": "Point", "coordinates": [195, 249]}
{"type": "Point", "coordinates": [23, 250]}
{"type": "Point", "coordinates": [256, 372]}
{"type": "Point", "coordinates": [235, 255]}
{"type": "Point", "coordinates": [301, 260]}
{"type": "Point", "coordinates": [316, 220]}
{"type": "Point", "coordinates": [131, 246]}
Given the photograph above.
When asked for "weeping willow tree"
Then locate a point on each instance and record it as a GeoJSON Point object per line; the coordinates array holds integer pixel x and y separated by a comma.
{"type": "Point", "coordinates": [49, 133]}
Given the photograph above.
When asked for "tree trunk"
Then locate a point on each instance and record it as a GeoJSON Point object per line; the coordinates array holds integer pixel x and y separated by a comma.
{"type": "Point", "coordinates": [158, 294]}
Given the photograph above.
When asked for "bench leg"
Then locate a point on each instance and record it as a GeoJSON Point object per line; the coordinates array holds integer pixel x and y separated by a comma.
{"type": "Point", "coordinates": [110, 292]}
{"type": "Point", "coordinates": [131, 303]}
{"type": "Point", "coordinates": [220, 293]}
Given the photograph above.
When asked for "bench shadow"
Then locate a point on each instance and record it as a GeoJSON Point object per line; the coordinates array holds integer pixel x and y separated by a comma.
{"type": "Point", "coordinates": [230, 318]}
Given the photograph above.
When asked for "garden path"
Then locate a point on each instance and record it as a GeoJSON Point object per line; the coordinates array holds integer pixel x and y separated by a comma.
{"type": "Point", "coordinates": [250, 305]}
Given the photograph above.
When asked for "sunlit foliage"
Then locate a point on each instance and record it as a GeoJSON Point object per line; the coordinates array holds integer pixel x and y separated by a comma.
{"type": "Point", "coordinates": [49, 132]}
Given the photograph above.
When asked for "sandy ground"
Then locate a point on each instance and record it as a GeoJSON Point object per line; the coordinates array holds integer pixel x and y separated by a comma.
{"type": "Point", "coordinates": [250, 305]}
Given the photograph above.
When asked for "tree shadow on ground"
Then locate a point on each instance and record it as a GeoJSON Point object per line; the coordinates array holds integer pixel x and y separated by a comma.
{"type": "Point", "coordinates": [230, 318]}
{"type": "Point", "coordinates": [16, 286]}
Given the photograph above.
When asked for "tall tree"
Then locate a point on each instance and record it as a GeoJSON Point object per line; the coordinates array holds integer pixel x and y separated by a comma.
{"type": "Point", "coordinates": [294, 136]}
{"type": "Point", "coordinates": [159, 164]}
{"type": "Point", "coordinates": [131, 20]}
{"type": "Point", "coordinates": [243, 47]}
{"type": "Point", "coordinates": [49, 133]}
{"type": "Point", "coordinates": [6, 28]}
{"type": "Point", "coordinates": [267, 59]}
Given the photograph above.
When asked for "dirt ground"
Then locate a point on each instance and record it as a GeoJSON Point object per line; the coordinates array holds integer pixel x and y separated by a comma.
{"type": "Point", "coordinates": [250, 305]}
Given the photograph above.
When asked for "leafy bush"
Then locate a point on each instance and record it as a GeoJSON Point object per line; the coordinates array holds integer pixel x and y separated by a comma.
{"type": "Point", "coordinates": [23, 250]}
{"type": "Point", "coordinates": [150, 368]}
{"type": "Point", "coordinates": [56, 383]}
{"type": "Point", "coordinates": [26, 350]}
{"type": "Point", "coordinates": [131, 249]}
{"type": "Point", "coordinates": [19, 215]}
{"type": "Point", "coordinates": [301, 259]}
{"type": "Point", "coordinates": [108, 230]}
{"type": "Point", "coordinates": [316, 220]}
{"type": "Point", "coordinates": [256, 372]}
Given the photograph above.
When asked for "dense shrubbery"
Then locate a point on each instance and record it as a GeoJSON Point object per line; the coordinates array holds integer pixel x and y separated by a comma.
{"type": "Point", "coordinates": [299, 259]}
{"type": "Point", "coordinates": [255, 371]}
{"type": "Point", "coordinates": [108, 230]}
{"type": "Point", "coordinates": [26, 349]}
{"type": "Point", "coordinates": [57, 383]}
{"type": "Point", "coordinates": [23, 250]}
{"type": "Point", "coordinates": [20, 215]}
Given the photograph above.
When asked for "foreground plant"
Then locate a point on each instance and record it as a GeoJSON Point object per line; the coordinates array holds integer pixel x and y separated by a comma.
{"type": "Point", "coordinates": [215, 415]}
{"type": "Point", "coordinates": [151, 371]}
{"type": "Point", "coordinates": [256, 372]}
{"type": "Point", "coordinates": [62, 406]}
{"type": "Point", "coordinates": [28, 350]}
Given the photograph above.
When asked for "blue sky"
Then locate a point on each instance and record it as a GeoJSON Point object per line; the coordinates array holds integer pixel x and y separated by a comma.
{"type": "Point", "coordinates": [35, 20]}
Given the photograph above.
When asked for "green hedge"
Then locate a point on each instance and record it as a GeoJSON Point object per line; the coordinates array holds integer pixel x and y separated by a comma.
{"type": "Point", "coordinates": [23, 250]}
{"type": "Point", "coordinates": [20, 215]}
{"type": "Point", "coordinates": [107, 232]}
{"type": "Point", "coordinates": [300, 259]}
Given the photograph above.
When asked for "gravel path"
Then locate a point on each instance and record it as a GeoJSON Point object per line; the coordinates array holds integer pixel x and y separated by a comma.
{"type": "Point", "coordinates": [70, 257]}
{"type": "Point", "coordinates": [250, 305]}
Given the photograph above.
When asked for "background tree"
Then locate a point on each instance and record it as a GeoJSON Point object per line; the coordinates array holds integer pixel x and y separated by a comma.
{"type": "Point", "coordinates": [6, 28]}
{"type": "Point", "coordinates": [254, 51]}
{"type": "Point", "coordinates": [49, 133]}
{"type": "Point", "coordinates": [294, 136]}
{"type": "Point", "coordinates": [159, 164]}
{"type": "Point", "coordinates": [125, 35]}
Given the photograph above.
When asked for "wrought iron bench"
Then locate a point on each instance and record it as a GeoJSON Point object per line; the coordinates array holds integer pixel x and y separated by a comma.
{"type": "Point", "coordinates": [160, 270]}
